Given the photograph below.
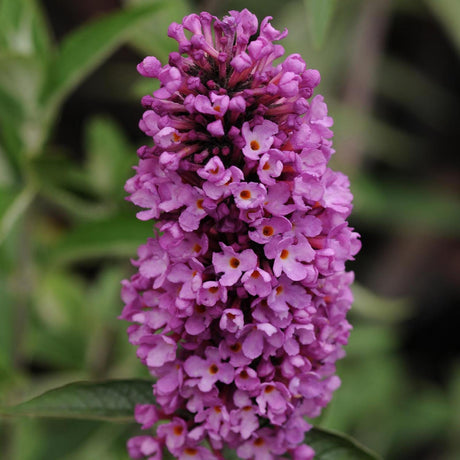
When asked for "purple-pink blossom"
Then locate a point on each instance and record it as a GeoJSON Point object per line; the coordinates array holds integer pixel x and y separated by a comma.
{"type": "Point", "coordinates": [240, 298]}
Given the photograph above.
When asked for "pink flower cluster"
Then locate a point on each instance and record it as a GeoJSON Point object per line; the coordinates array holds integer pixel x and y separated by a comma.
{"type": "Point", "coordinates": [239, 302]}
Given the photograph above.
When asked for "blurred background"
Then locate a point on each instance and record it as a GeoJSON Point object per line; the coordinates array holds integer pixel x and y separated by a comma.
{"type": "Point", "coordinates": [69, 108]}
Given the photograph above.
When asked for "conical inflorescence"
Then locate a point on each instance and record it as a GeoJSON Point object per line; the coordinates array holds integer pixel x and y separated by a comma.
{"type": "Point", "coordinates": [239, 302]}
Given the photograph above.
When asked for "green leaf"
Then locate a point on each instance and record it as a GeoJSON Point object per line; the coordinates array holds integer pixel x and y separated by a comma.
{"type": "Point", "coordinates": [144, 86]}
{"type": "Point", "coordinates": [382, 140]}
{"type": "Point", "coordinates": [23, 28]}
{"type": "Point", "coordinates": [448, 13]}
{"type": "Point", "coordinates": [41, 31]}
{"type": "Point", "coordinates": [60, 301]}
{"type": "Point", "coordinates": [366, 342]}
{"type": "Point", "coordinates": [84, 49]}
{"type": "Point", "coordinates": [229, 454]}
{"type": "Point", "coordinates": [61, 349]}
{"type": "Point", "coordinates": [104, 441]}
{"type": "Point", "coordinates": [12, 205]}
{"type": "Point", "coordinates": [319, 14]}
{"type": "Point", "coordinates": [116, 236]}
{"type": "Point", "coordinates": [109, 157]}
{"type": "Point", "coordinates": [11, 146]}
{"type": "Point", "coordinates": [152, 38]}
{"type": "Point", "coordinates": [112, 400]}
{"type": "Point", "coordinates": [372, 306]}
{"type": "Point", "coordinates": [6, 331]}
{"type": "Point", "coordinates": [22, 77]}
{"type": "Point", "coordinates": [104, 296]}
{"type": "Point", "coordinates": [10, 107]}
{"type": "Point", "coordinates": [374, 367]}
{"type": "Point", "coordinates": [115, 401]}
{"type": "Point", "coordinates": [67, 185]}
{"type": "Point", "coordinates": [25, 441]}
{"type": "Point", "coordinates": [74, 204]}
{"type": "Point", "coordinates": [407, 207]}
{"type": "Point", "coordinates": [330, 445]}
{"type": "Point", "coordinates": [21, 120]}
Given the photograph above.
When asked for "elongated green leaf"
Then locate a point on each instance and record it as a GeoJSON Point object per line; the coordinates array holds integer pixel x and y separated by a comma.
{"type": "Point", "coordinates": [6, 331]}
{"type": "Point", "coordinates": [9, 105]}
{"type": "Point", "coordinates": [152, 38]}
{"type": "Point", "coordinates": [23, 28]}
{"type": "Point", "coordinates": [112, 400]}
{"type": "Point", "coordinates": [384, 141]}
{"type": "Point", "coordinates": [21, 121]}
{"type": "Point", "coordinates": [448, 13]}
{"type": "Point", "coordinates": [109, 157]}
{"type": "Point", "coordinates": [11, 145]}
{"type": "Point", "coordinates": [115, 400]}
{"type": "Point", "coordinates": [56, 170]}
{"type": "Point", "coordinates": [117, 236]}
{"type": "Point", "coordinates": [330, 445]}
{"type": "Point", "coordinates": [62, 349]}
{"type": "Point", "coordinates": [372, 306]}
{"type": "Point", "coordinates": [65, 184]}
{"type": "Point", "coordinates": [85, 48]}
{"type": "Point", "coordinates": [7, 176]}
{"type": "Point", "coordinates": [21, 76]}
{"type": "Point", "coordinates": [7, 196]}
{"type": "Point", "coordinates": [230, 454]}
{"type": "Point", "coordinates": [41, 32]}
{"type": "Point", "coordinates": [12, 205]}
{"type": "Point", "coordinates": [76, 205]}
{"type": "Point", "coordinates": [60, 300]}
{"type": "Point", "coordinates": [320, 14]}
{"type": "Point", "coordinates": [103, 298]}
{"type": "Point", "coordinates": [407, 207]}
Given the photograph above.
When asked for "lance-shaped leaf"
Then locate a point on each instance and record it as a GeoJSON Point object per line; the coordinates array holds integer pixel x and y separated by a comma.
{"type": "Point", "coordinates": [115, 236]}
{"type": "Point", "coordinates": [112, 400]}
{"type": "Point", "coordinates": [23, 28]}
{"type": "Point", "coordinates": [109, 157]}
{"type": "Point", "coordinates": [448, 13]}
{"type": "Point", "coordinates": [13, 204]}
{"type": "Point", "coordinates": [330, 445]}
{"type": "Point", "coordinates": [151, 38]}
{"type": "Point", "coordinates": [408, 207]}
{"type": "Point", "coordinates": [115, 401]}
{"type": "Point", "coordinates": [84, 49]}
{"type": "Point", "coordinates": [320, 15]}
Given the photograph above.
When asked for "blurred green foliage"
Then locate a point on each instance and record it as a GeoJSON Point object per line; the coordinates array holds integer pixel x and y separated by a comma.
{"type": "Point", "coordinates": [66, 233]}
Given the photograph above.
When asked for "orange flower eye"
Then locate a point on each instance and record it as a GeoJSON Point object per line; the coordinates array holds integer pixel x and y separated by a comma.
{"type": "Point", "coordinates": [234, 262]}
{"type": "Point", "coordinates": [213, 369]}
{"type": "Point", "coordinates": [254, 145]}
{"type": "Point", "coordinates": [268, 230]}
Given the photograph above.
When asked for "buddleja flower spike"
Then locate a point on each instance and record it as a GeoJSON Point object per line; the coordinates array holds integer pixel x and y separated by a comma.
{"type": "Point", "coordinates": [239, 303]}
